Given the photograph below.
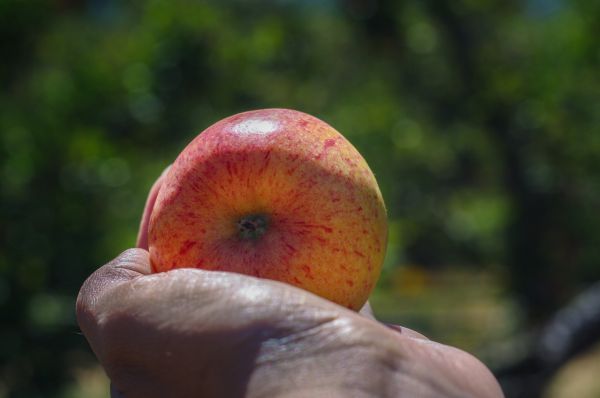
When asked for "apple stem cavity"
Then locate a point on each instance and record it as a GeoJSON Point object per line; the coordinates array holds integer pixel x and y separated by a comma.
{"type": "Point", "coordinates": [252, 226]}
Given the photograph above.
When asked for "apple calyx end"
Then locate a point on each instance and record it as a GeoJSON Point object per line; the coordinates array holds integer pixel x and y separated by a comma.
{"type": "Point", "coordinates": [252, 226]}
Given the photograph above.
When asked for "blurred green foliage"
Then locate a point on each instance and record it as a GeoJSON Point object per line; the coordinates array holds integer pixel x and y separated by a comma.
{"type": "Point", "coordinates": [481, 120]}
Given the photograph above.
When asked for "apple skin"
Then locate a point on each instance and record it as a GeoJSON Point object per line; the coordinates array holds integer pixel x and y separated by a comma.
{"type": "Point", "coordinates": [324, 224]}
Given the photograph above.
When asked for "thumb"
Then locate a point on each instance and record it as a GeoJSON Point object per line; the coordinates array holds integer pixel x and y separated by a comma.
{"type": "Point", "coordinates": [142, 238]}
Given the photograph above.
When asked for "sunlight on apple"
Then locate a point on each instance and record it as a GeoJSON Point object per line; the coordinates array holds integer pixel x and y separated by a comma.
{"type": "Point", "coordinates": [255, 126]}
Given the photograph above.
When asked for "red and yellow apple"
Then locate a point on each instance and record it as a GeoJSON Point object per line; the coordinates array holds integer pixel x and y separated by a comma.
{"type": "Point", "coordinates": [275, 194]}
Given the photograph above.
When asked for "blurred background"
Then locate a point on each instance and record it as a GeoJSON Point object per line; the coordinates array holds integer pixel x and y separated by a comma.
{"type": "Point", "coordinates": [480, 119]}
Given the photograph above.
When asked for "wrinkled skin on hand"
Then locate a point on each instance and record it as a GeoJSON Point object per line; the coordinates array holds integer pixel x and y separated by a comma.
{"type": "Point", "coordinates": [195, 333]}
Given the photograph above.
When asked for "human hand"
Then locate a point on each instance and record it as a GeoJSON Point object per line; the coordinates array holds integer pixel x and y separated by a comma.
{"type": "Point", "coordinates": [195, 333]}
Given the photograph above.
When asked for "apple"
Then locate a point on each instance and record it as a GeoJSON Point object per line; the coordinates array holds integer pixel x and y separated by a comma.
{"type": "Point", "coordinates": [276, 194]}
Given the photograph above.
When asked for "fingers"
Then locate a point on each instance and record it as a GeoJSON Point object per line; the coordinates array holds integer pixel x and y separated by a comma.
{"type": "Point", "coordinates": [142, 239]}
{"type": "Point", "coordinates": [406, 331]}
{"type": "Point", "coordinates": [185, 297]}
{"type": "Point", "coordinates": [128, 266]}
{"type": "Point", "coordinates": [459, 368]}
{"type": "Point", "coordinates": [367, 311]}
